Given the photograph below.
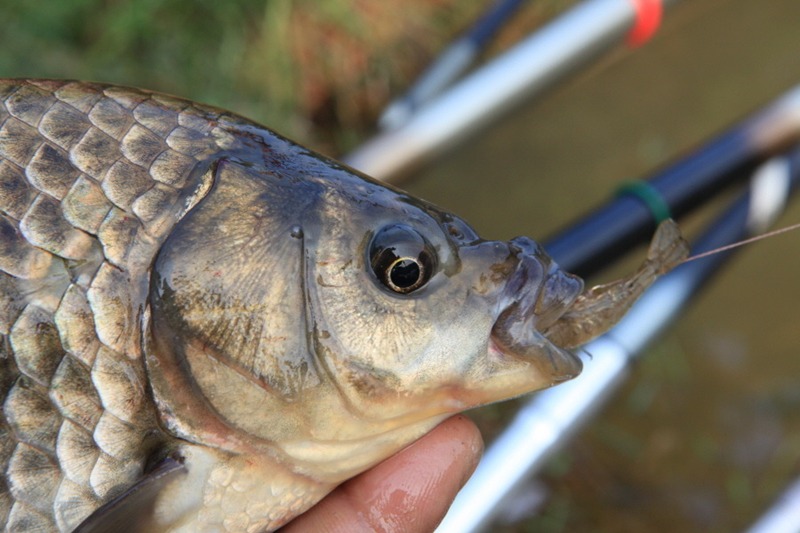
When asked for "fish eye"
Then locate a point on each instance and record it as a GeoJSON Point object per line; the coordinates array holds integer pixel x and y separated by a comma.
{"type": "Point", "coordinates": [401, 258]}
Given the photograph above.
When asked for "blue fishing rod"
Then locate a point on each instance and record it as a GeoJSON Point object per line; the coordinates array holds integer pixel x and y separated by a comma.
{"type": "Point", "coordinates": [629, 219]}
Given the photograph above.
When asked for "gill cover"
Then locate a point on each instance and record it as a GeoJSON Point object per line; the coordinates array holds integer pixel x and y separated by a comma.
{"type": "Point", "coordinates": [227, 331]}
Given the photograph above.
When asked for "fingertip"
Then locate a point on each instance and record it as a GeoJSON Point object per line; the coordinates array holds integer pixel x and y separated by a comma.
{"type": "Point", "coordinates": [410, 491]}
{"type": "Point", "coordinates": [463, 432]}
{"type": "Point", "coordinates": [413, 490]}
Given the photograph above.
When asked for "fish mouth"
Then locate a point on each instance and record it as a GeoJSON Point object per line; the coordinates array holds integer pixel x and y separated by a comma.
{"type": "Point", "coordinates": [551, 363]}
{"type": "Point", "coordinates": [536, 294]}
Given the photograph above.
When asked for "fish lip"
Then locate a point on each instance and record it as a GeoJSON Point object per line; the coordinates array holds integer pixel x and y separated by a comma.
{"type": "Point", "coordinates": [536, 294]}
{"type": "Point", "coordinates": [537, 290]}
{"type": "Point", "coordinates": [553, 363]}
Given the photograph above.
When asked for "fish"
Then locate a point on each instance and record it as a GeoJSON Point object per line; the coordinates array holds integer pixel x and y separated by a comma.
{"type": "Point", "coordinates": [206, 326]}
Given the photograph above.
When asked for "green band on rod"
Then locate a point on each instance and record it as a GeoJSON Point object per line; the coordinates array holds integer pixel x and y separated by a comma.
{"type": "Point", "coordinates": [649, 196]}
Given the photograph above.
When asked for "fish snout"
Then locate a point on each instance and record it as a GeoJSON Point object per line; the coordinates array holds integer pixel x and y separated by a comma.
{"type": "Point", "coordinates": [536, 294]}
{"type": "Point", "coordinates": [538, 290]}
{"type": "Point", "coordinates": [526, 246]}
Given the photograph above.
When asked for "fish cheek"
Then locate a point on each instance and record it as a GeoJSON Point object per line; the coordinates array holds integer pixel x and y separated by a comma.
{"type": "Point", "coordinates": [372, 340]}
{"type": "Point", "coordinates": [366, 340]}
{"type": "Point", "coordinates": [399, 359]}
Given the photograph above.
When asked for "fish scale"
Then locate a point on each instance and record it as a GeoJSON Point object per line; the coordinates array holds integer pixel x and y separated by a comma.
{"type": "Point", "coordinates": [90, 177]}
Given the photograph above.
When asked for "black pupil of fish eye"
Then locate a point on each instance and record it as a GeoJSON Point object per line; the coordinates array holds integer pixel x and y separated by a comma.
{"type": "Point", "coordinates": [405, 273]}
{"type": "Point", "coordinates": [401, 258]}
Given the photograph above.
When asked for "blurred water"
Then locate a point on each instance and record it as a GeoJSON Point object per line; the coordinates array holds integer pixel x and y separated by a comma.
{"type": "Point", "coordinates": [707, 432]}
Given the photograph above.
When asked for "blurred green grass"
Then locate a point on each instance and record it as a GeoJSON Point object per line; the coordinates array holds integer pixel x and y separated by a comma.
{"type": "Point", "coordinates": [318, 72]}
{"type": "Point", "coordinates": [205, 47]}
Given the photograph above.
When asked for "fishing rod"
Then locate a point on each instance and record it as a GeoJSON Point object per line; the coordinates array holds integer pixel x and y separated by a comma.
{"type": "Point", "coordinates": [531, 66]}
{"type": "Point", "coordinates": [549, 418]}
{"type": "Point", "coordinates": [598, 239]}
{"type": "Point", "coordinates": [451, 63]}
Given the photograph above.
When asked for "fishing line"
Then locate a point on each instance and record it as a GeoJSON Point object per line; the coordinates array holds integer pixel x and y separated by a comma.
{"type": "Point", "coordinates": [743, 242]}
{"type": "Point", "coordinates": [769, 191]}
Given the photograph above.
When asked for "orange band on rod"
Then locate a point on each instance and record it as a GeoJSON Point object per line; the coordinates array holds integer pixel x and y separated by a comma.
{"type": "Point", "coordinates": [648, 19]}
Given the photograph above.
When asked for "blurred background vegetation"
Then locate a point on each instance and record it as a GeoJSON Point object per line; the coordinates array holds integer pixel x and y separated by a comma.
{"type": "Point", "coordinates": [317, 71]}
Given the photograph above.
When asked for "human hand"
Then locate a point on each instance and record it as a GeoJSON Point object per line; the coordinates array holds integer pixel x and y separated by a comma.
{"type": "Point", "coordinates": [410, 492]}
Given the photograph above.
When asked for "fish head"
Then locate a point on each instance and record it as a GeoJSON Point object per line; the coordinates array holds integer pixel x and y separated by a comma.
{"type": "Point", "coordinates": [413, 315]}
{"type": "Point", "coordinates": [338, 319]}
